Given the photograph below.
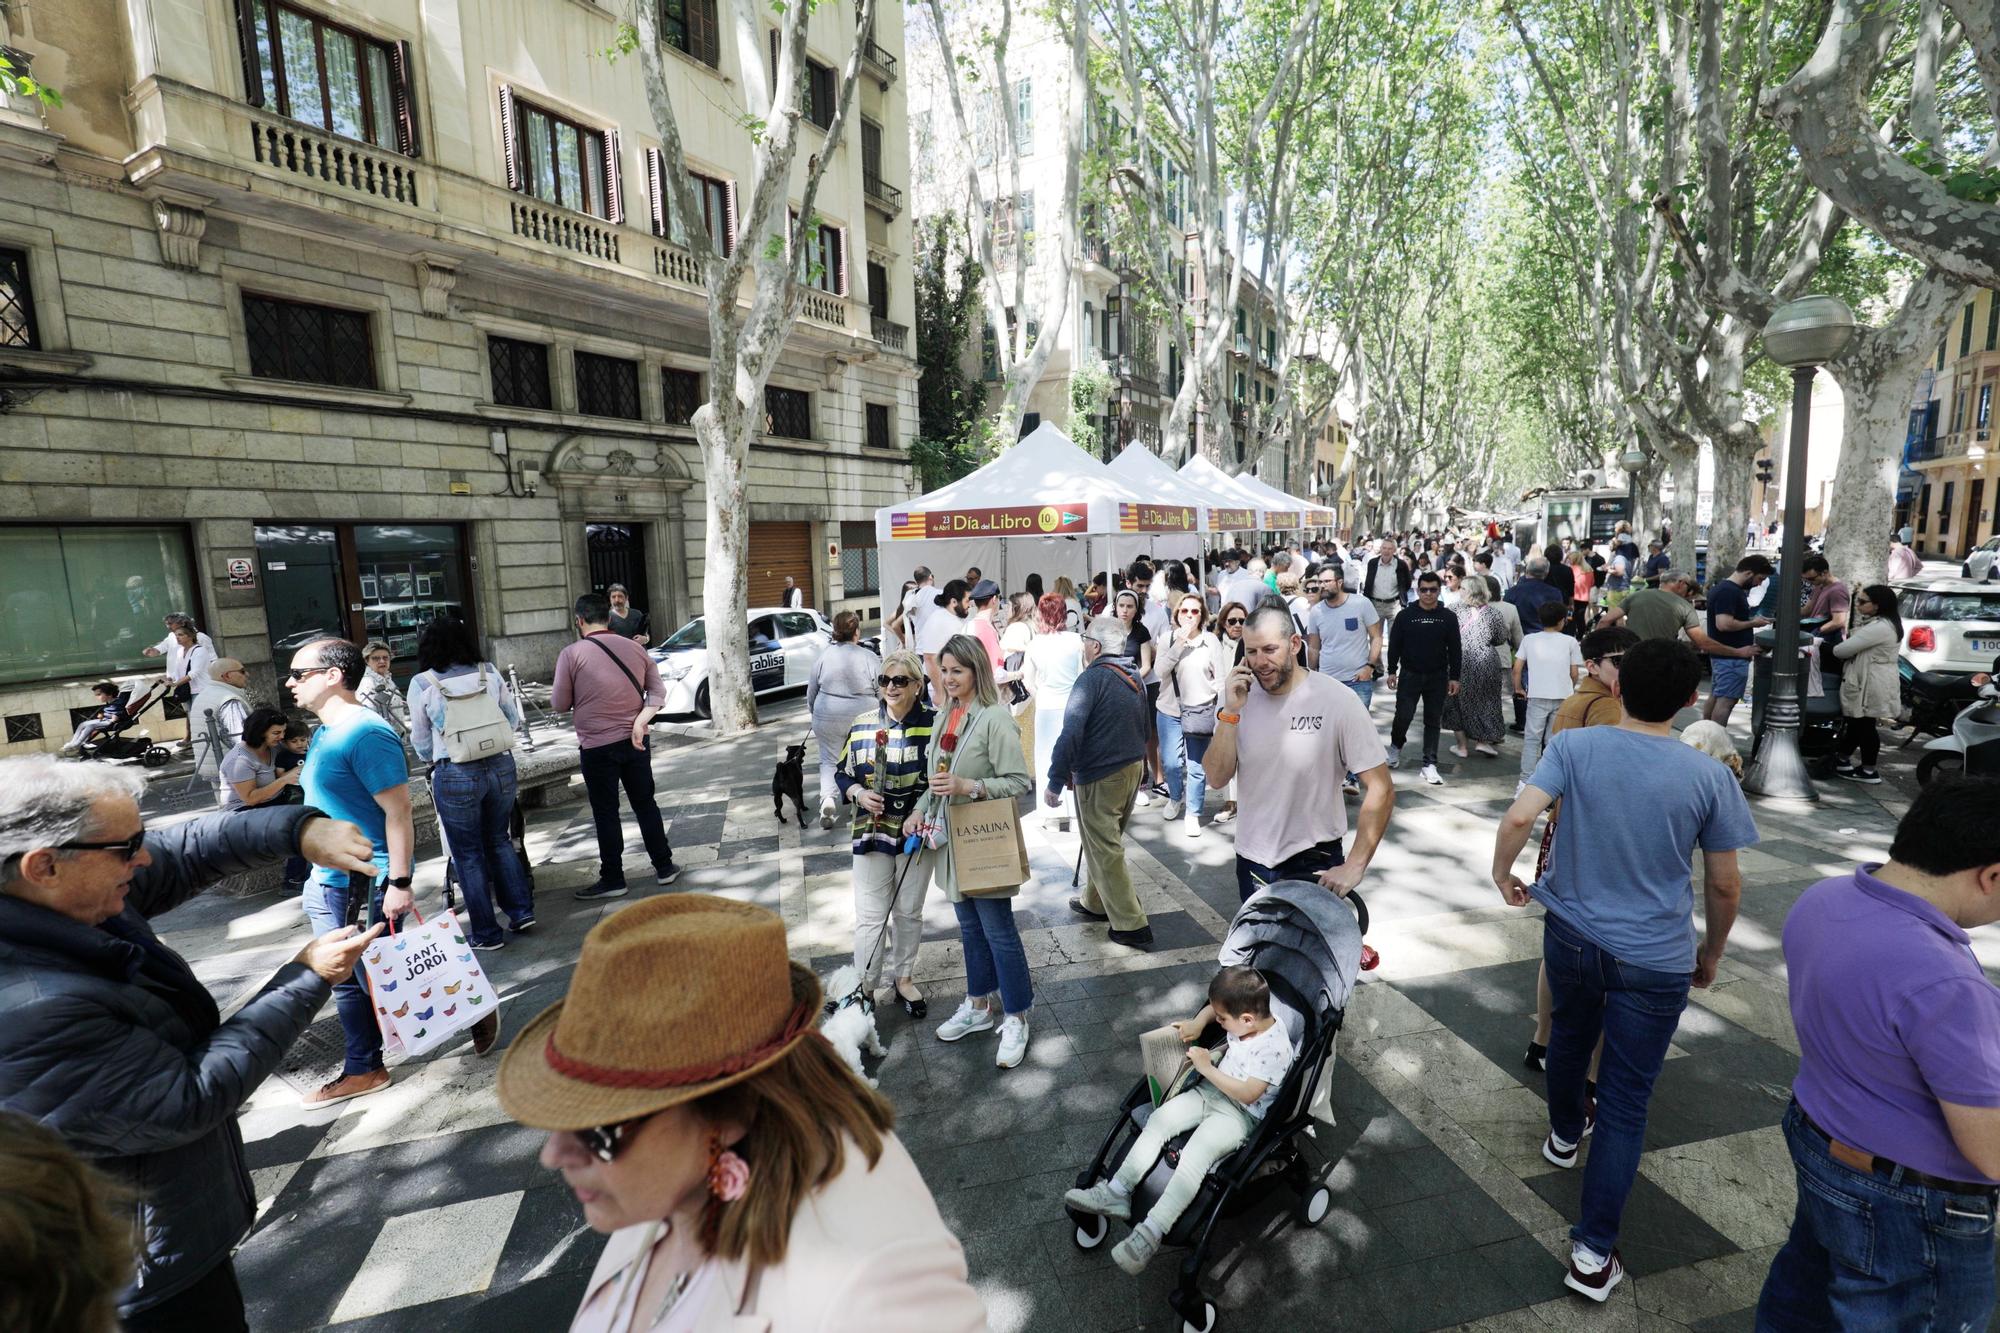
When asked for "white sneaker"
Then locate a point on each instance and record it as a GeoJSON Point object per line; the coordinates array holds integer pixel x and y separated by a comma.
{"type": "Point", "coordinates": [1431, 775]}
{"type": "Point", "coordinates": [1175, 809]}
{"type": "Point", "coordinates": [826, 812]}
{"type": "Point", "coordinates": [1144, 799]}
{"type": "Point", "coordinates": [1013, 1040]}
{"type": "Point", "coordinates": [968, 1019]}
{"type": "Point", "coordinates": [1395, 756]}
{"type": "Point", "coordinates": [1192, 824]}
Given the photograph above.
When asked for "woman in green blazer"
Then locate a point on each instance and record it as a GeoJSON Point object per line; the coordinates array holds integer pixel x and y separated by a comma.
{"type": "Point", "coordinates": [986, 763]}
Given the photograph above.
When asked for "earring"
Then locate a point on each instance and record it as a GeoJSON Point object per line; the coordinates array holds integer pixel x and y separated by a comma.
{"type": "Point", "coordinates": [728, 1173]}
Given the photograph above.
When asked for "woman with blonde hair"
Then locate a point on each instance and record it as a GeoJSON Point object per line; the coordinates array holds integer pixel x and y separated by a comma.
{"type": "Point", "coordinates": [745, 1177]}
{"type": "Point", "coordinates": [976, 756]}
{"type": "Point", "coordinates": [1191, 674]}
{"type": "Point", "coordinates": [1072, 602]}
{"type": "Point", "coordinates": [881, 773]}
{"type": "Point", "coordinates": [1019, 632]}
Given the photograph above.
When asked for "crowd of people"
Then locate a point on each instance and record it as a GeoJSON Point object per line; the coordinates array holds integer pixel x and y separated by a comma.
{"type": "Point", "coordinates": [686, 1099]}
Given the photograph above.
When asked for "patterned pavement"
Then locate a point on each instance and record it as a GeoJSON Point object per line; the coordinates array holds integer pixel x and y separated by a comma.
{"type": "Point", "coordinates": [424, 1208]}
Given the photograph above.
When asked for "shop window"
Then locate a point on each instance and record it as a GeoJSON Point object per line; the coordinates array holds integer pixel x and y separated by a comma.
{"type": "Point", "coordinates": [315, 344]}
{"type": "Point", "coordinates": [607, 386]}
{"type": "Point", "coordinates": [520, 373]}
{"type": "Point", "coordinates": [84, 599]}
{"type": "Point", "coordinates": [860, 559]}
{"type": "Point", "coordinates": [787, 413]}
{"type": "Point", "coordinates": [360, 581]}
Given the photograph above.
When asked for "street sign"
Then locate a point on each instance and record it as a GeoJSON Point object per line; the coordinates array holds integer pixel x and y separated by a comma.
{"type": "Point", "coordinates": [242, 572]}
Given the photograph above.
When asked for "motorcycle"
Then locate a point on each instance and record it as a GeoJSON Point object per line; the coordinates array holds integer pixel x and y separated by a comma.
{"type": "Point", "coordinates": [1973, 747]}
{"type": "Point", "coordinates": [1931, 700]}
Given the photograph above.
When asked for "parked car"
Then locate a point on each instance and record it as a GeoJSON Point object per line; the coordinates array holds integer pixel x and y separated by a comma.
{"type": "Point", "coordinates": [1980, 563]}
{"type": "Point", "coordinates": [784, 644]}
{"type": "Point", "coordinates": [1950, 624]}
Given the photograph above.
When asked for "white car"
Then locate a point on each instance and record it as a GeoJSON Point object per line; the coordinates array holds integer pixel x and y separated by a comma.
{"type": "Point", "coordinates": [1979, 564]}
{"type": "Point", "coordinates": [1950, 624]}
{"type": "Point", "coordinates": [784, 644]}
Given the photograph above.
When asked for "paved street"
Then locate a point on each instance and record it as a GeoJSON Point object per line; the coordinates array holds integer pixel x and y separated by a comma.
{"type": "Point", "coordinates": [423, 1208]}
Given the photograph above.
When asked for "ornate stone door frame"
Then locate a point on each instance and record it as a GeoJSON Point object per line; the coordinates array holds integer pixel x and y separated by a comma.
{"type": "Point", "coordinates": [600, 481]}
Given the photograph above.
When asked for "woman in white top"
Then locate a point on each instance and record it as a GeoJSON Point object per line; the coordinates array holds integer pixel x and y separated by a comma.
{"type": "Point", "coordinates": [1054, 660]}
{"type": "Point", "coordinates": [1072, 605]}
{"type": "Point", "coordinates": [841, 685]}
{"type": "Point", "coordinates": [1191, 674]}
{"type": "Point", "coordinates": [377, 689]}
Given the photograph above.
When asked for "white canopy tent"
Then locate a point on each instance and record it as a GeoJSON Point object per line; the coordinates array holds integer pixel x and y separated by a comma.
{"type": "Point", "coordinates": [1267, 515]}
{"type": "Point", "coordinates": [1043, 506]}
{"type": "Point", "coordinates": [1311, 515]}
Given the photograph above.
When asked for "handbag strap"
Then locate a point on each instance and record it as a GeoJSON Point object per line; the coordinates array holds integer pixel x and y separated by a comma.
{"type": "Point", "coordinates": [605, 648]}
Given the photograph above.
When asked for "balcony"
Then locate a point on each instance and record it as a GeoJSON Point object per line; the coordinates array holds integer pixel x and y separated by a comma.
{"type": "Point", "coordinates": [678, 267]}
{"type": "Point", "coordinates": [1137, 374]}
{"type": "Point", "coordinates": [1242, 346]}
{"type": "Point", "coordinates": [1097, 250]}
{"type": "Point", "coordinates": [879, 63]}
{"type": "Point", "coordinates": [825, 309]}
{"type": "Point", "coordinates": [323, 160]}
{"type": "Point", "coordinates": [894, 337]}
{"type": "Point", "coordinates": [884, 196]}
{"type": "Point", "coordinates": [1239, 417]}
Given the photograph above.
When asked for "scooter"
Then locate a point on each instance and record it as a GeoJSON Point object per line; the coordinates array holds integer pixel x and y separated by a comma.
{"type": "Point", "coordinates": [1972, 748]}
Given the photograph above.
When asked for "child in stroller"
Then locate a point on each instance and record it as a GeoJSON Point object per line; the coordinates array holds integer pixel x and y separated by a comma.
{"type": "Point", "coordinates": [1221, 1108]}
{"type": "Point", "coordinates": [105, 736]}
{"type": "Point", "coordinates": [1306, 944]}
{"type": "Point", "coordinates": [110, 717]}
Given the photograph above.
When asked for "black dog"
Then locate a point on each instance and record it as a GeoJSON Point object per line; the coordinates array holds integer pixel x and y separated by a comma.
{"type": "Point", "coordinates": [789, 779]}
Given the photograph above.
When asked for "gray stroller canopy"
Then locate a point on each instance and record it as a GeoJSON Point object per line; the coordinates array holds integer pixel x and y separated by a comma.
{"type": "Point", "coordinates": [1304, 938]}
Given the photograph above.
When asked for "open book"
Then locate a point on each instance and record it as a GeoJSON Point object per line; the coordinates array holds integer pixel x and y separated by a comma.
{"type": "Point", "coordinates": [1163, 1056]}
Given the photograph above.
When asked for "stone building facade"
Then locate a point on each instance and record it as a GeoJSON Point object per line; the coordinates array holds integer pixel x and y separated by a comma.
{"type": "Point", "coordinates": [337, 315]}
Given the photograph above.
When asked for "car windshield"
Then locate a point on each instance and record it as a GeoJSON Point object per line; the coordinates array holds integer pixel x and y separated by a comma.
{"type": "Point", "coordinates": [1983, 606]}
{"type": "Point", "coordinates": [691, 635]}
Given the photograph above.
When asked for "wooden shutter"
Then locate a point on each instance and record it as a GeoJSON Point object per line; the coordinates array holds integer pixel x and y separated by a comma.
{"type": "Point", "coordinates": [704, 33]}
{"type": "Point", "coordinates": [840, 256]}
{"type": "Point", "coordinates": [510, 141]}
{"type": "Point", "coordinates": [405, 70]}
{"type": "Point", "coordinates": [614, 186]}
{"type": "Point", "coordinates": [656, 189]}
{"type": "Point", "coordinates": [246, 40]}
{"type": "Point", "coordinates": [729, 223]}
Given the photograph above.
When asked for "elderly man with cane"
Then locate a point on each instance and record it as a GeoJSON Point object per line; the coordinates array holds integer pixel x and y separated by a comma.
{"type": "Point", "coordinates": [1100, 753]}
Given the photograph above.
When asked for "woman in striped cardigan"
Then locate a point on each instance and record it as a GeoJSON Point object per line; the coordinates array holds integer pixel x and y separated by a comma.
{"type": "Point", "coordinates": [882, 775]}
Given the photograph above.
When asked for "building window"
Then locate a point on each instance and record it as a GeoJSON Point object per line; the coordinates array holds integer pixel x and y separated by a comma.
{"type": "Point", "coordinates": [860, 560]}
{"type": "Point", "coordinates": [316, 344]}
{"type": "Point", "coordinates": [1993, 321]}
{"type": "Point", "coordinates": [559, 161]}
{"type": "Point", "coordinates": [1944, 510]}
{"type": "Point", "coordinates": [86, 600]}
{"type": "Point", "coordinates": [718, 205]}
{"type": "Point", "coordinates": [822, 87]}
{"type": "Point", "coordinates": [787, 412]}
{"type": "Point", "coordinates": [681, 390]}
{"type": "Point", "coordinates": [1924, 508]}
{"type": "Point", "coordinates": [28, 726]}
{"type": "Point", "coordinates": [1982, 419]}
{"type": "Point", "coordinates": [520, 373]}
{"type": "Point", "coordinates": [17, 302]}
{"type": "Point", "coordinates": [321, 74]}
{"type": "Point", "coordinates": [361, 582]}
{"type": "Point", "coordinates": [1024, 116]}
{"type": "Point", "coordinates": [881, 434]}
{"type": "Point", "coordinates": [878, 290]}
{"type": "Point", "coordinates": [1965, 332]}
{"type": "Point", "coordinates": [689, 26]}
{"type": "Point", "coordinates": [829, 261]}
{"type": "Point", "coordinates": [607, 386]}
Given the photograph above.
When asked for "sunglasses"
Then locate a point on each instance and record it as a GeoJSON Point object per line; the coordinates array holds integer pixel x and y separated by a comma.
{"type": "Point", "coordinates": [1611, 658]}
{"type": "Point", "coordinates": [300, 673]}
{"type": "Point", "coordinates": [896, 682]}
{"type": "Point", "coordinates": [1234, 620]}
{"type": "Point", "coordinates": [128, 847]}
{"type": "Point", "coordinates": [605, 1142]}
{"type": "Point", "coordinates": [1190, 611]}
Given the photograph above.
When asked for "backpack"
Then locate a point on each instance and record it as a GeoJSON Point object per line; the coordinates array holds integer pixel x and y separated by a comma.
{"type": "Point", "coordinates": [474, 727]}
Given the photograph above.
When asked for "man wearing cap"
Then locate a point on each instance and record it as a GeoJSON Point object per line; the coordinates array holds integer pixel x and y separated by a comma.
{"type": "Point", "coordinates": [1894, 1126]}
{"type": "Point", "coordinates": [627, 619]}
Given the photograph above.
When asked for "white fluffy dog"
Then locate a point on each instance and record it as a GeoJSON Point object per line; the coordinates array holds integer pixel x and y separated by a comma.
{"type": "Point", "coordinates": [849, 1021]}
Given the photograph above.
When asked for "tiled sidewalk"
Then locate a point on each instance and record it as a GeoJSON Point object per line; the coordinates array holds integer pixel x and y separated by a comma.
{"type": "Point", "coordinates": [423, 1208]}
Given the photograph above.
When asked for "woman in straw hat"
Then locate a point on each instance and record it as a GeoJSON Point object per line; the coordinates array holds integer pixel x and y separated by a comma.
{"type": "Point", "coordinates": [746, 1178]}
{"type": "Point", "coordinates": [976, 756]}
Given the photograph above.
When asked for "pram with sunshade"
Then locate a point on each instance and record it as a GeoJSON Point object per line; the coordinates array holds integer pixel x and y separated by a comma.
{"type": "Point", "coordinates": [1307, 943]}
{"type": "Point", "coordinates": [120, 741]}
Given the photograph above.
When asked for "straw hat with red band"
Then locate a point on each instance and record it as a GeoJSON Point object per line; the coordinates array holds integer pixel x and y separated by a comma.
{"type": "Point", "coordinates": [673, 998]}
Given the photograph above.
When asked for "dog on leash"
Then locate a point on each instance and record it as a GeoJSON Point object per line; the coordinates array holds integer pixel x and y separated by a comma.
{"type": "Point", "coordinates": [848, 1021]}
{"type": "Point", "coordinates": [789, 779]}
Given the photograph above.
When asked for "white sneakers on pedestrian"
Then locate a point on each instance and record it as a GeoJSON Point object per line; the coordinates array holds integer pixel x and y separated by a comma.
{"type": "Point", "coordinates": [1013, 1041]}
{"type": "Point", "coordinates": [966, 1020]}
{"type": "Point", "coordinates": [1431, 775]}
{"type": "Point", "coordinates": [1395, 756]}
{"type": "Point", "coordinates": [1143, 799]}
{"type": "Point", "coordinates": [826, 812]}
{"type": "Point", "coordinates": [1192, 824]}
{"type": "Point", "coordinates": [1174, 810]}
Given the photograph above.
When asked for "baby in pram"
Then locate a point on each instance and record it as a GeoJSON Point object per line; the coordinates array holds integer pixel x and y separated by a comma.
{"type": "Point", "coordinates": [1222, 1107]}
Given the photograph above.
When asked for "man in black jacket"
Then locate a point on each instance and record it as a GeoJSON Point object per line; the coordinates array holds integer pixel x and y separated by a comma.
{"type": "Point", "coordinates": [1385, 570]}
{"type": "Point", "coordinates": [1100, 753]}
{"type": "Point", "coordinates": [1424, 656]}
{"type": "Point", "coordinates": [111, 1041]}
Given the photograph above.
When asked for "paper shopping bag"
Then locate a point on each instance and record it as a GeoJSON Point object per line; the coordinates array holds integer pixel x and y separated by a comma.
{"type": "Point", "coordinates": [427, 983]}
{"type": "Point", "coordinates": [988, 853]}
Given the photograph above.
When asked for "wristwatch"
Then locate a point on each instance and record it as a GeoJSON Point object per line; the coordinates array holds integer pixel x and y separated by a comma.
{"type": "Point", "coordinates": [1231, 718]}
{"type": "Point", "coordinates": [401, 881]}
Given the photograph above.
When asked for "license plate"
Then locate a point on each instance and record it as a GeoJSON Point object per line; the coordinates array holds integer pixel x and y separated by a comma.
{"type": "Point", "coordinates": [1984, 645]}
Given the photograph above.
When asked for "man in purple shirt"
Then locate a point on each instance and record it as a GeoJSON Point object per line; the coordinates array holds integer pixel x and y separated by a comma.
{"type": "Point", "coordinates": [615, 689]}
{"type": "Point", "coordinates": [1894, 1125]}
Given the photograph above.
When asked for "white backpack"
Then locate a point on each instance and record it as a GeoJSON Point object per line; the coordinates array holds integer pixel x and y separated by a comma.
{"type": "Point", "coordinates": [474, 726]}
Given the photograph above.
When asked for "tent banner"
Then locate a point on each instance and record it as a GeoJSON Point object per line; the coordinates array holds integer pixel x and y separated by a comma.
{"type": "Point", "coordinates": [1155, 518]}
{"type": "Point", "coordinates": [1280, 518]}
{"type": "Point", "coordinates": [1321, 518]}
{"type": "Point", "coordinates": [1232, 520]}
{"type": "Point", "coordinates": [1008, 521]}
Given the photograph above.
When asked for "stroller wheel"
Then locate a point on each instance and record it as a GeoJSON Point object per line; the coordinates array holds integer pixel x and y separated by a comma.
{"type": "Point", "coordinates": [1313, 1208]}
{"type": "Point", "coordinates": [1090, 1232]}
{"type": "Point", "coordinates": [1206, 1309]}
{"type": "Point", "coordinates": [157, 757]}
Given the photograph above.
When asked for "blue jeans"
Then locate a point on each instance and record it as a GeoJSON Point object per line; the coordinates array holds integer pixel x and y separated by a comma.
{"type": "Point", "coordinates": [1364, 688]}
{"type": "Point", "coordinates": [475, 803]}
{"type": "Point", "coordinates": [329, 906]}
{"type": "Point", "coordinates": [1252, 876]}
{"type": "Point", "coordinates": [1871, 1251]}
{"type": "Point", "coordinates": [1180, 755]}
{"type": "Point", "coordinates": [994, 958]}
{"type": "Point", "coordinates": [1636, 1010]}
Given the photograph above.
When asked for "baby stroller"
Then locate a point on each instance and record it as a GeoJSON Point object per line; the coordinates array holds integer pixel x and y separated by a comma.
{"type": "Point", "coordinates": [517, 833]}
{"type": "Point", "coordinates": [1307, 943]}
{"type": "Point", "coordinates": [119, 741]}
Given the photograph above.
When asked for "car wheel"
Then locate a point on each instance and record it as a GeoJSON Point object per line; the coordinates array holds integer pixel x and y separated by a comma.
{"type": "Point", "coordinates": [1939, 764]}
{"type": "Point", "coordinates": [701, 699]}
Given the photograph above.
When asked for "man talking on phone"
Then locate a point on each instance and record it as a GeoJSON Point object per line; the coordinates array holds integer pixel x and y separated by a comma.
{"type": "Point", "coordinates": [1308, 731]}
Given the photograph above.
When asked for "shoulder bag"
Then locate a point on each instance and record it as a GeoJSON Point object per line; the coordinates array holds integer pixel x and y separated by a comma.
{"type": "Point", "coordinates": [606, 650]}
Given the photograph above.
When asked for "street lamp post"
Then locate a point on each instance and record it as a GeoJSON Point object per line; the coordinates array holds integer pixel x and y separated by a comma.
{"type": "Point", "coordinates": [1802, 335]}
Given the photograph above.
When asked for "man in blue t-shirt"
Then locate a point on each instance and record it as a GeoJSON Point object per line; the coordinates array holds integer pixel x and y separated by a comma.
{"type": "Point", "coordinates": [356, 769]}
{"type": "Point", "coordinates": [1731, 624]}
{"type": "Point", "coordinates": [1618, 937]}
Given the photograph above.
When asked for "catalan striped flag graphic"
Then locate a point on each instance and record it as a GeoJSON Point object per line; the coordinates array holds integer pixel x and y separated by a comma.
{"type": "Point", "coordinates": [1128, 517]}
{"type": "Point", "coordinates": [902, 526]}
